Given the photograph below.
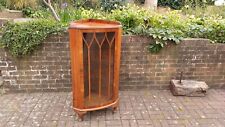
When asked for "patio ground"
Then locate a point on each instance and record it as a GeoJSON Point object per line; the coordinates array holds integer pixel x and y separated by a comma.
{"type": "Point", "coordinates": [157, 108]}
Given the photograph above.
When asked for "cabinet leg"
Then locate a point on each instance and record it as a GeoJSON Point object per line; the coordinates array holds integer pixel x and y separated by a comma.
{"type": "Point", "coordinates": [81, 114]}
{"type": "Point", "coordinates": [115, 107]}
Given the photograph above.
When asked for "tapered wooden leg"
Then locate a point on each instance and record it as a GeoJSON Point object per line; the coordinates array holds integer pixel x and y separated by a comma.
{"type": "Point", "coordinates": [81, 114]}
{"type": "Point", "coordinates": [115, 107]}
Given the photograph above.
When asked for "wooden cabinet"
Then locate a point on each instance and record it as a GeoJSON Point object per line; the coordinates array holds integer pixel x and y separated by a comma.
{"type": "Point", "coordinates": [95, 47]}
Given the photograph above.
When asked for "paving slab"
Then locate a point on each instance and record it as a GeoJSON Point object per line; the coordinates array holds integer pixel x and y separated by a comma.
{"type": "Point", "coordinates": [152, 108]}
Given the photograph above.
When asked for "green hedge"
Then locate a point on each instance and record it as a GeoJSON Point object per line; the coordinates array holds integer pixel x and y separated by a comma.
{"type": "Point", "coordinates": [22, 38]}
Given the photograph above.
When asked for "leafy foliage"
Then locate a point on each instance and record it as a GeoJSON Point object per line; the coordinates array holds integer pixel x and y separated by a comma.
{"type": "Point", "coordinates": [20, 4]}
{"type": "Point", "coordinates": [205, 12]}
{"type": "Point", "coordinates": [130, 16]}
{"type": "Point", "coordinates": [212, 28]}
{"type": "Point", "coordinates": [22, 38]}
{"type": "Point", "coordinates": [163, 29]}
{"type": "Point", "coordinates": [1, 7]}
{"type": "Point", "coordinates": [175, 4]}
{"type": "Point", "coordinates": [36, 13]}
{"type": "Point", "coordinates": [69, 14]}
{"type": "Point", "coordinates": [108, 5]}
{"type": "Point", "coordinates": [87, 4]}
{"type": "Point", "coordinates": [179, 4]}
{"type": "Point", "coordinates": [2, 4]}
{"type": "Point", "coordinates": [172, 27]}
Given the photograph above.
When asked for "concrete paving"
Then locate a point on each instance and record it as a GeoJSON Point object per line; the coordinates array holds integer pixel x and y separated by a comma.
{"type": "Point", "coordinates": [154, 108]}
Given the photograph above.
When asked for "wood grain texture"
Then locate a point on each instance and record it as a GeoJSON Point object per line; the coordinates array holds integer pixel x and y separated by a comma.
{"type": "Point", "coordinates": [95, 62]}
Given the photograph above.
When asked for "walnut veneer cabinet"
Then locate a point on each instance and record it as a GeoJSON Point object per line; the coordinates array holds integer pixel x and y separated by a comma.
{"type": "Point", "coordinates": [95, 47]}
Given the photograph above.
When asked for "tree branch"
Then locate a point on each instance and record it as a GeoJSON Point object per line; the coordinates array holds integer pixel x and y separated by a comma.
{"type": "Point", "coordinates": [52, 9]}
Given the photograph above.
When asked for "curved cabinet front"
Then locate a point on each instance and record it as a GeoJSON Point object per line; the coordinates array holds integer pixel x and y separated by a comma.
{"type": "Point", "coordinates": [95, 62]}
{"type": "Point", "coordinates": [98, 62]}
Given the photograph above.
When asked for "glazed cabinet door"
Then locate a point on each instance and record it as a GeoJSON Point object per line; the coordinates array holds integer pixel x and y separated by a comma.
{"type": "Point", "coordinates": [98, 67]}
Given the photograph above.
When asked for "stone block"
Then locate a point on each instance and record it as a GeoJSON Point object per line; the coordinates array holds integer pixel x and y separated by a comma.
{"type": "Point", "coordinates": [188, 88]}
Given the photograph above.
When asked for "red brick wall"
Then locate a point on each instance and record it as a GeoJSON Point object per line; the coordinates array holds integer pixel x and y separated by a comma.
{"type": "Point", "coordinates": [197, 58]}
{"type": "Point", "coordinates": [48, 69]}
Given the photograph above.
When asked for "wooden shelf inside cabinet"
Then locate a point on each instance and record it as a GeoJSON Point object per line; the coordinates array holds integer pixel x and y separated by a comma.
{"type": "Point", "coordinates": [95, 47]}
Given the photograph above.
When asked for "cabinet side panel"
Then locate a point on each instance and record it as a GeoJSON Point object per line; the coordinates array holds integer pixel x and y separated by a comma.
{"type": "Point", "coordinates": [80, 70]}
{"type": "Point", "coordinates": [76, 67]}
{"type": "Point", "coordinates": [117, 62]}
{"type": "Point", "coordinates": [72, 34]}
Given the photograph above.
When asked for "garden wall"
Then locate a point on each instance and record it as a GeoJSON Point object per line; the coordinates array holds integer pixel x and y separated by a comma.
{"type": "Point", "coordinates": [48, 69]}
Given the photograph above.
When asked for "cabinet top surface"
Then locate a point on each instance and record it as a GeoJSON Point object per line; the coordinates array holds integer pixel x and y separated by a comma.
{"type": "Point", "coordinates": [94, 24]}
